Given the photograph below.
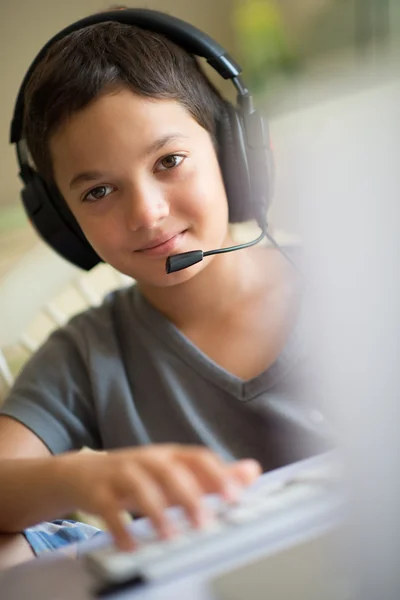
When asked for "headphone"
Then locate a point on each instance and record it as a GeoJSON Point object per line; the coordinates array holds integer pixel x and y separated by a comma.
{"type": "Point", "coordinates": [244, 148]}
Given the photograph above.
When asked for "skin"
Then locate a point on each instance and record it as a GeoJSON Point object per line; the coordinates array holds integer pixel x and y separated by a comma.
{"type": "Point", "coordinates": [154, 174]}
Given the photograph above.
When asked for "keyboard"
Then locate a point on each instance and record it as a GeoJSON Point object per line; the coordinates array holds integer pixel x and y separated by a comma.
{"type": "Point", "coordinates": [268, 510]}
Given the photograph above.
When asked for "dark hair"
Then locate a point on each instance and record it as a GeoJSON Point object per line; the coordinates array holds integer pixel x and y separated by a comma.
{"type": "Point", "coordinates": [100, 59]}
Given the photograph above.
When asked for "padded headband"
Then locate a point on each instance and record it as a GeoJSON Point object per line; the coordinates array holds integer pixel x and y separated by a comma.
{"type": "Point", "coordinates": [181, 33]}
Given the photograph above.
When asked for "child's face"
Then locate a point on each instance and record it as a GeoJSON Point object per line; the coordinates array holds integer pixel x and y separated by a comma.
{"type": "Point", "coordinates": [137, 172]}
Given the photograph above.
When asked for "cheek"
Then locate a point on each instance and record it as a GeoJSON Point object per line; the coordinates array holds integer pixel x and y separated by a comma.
{"type": "Point", "coordinates": [203, 194]}
{"type": "Point", "coordinates": [103, 234]}
{"type": "Point", "coordinates": [104, 237]}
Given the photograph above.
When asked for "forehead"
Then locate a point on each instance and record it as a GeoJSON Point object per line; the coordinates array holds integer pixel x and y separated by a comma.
{"type": "Point", "coordinates": [118, 122]}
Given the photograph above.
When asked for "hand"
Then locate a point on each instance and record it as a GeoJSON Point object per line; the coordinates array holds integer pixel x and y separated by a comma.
{"type": "Point", "coordinates": [148, 479]}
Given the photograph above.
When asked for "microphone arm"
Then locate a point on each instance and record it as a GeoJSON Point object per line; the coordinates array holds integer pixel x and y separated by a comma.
{"type": "Point", "coordinates": [177, 262]}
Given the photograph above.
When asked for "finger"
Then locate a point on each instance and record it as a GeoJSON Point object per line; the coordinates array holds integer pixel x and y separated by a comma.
{"type": "Point", "coordinates": [110, 512]}
{"type": "Point", "coordinates": [181, 487]}
{"type": "Point", "coordinates": [141, 491]}
{"type": "Point", "coordinates": [245, 471]}
{"type": "Point", "coordinates": [212, 474]}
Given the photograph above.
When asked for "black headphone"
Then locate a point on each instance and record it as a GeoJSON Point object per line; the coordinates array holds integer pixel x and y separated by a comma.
{"type": "Point", "coordinates": [244, 148]}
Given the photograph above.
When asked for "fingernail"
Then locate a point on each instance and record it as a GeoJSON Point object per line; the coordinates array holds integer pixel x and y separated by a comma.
{"type": "Point", "coordinates": [251, 464]}
{"type": "Point", "coordinates": [248, 470]}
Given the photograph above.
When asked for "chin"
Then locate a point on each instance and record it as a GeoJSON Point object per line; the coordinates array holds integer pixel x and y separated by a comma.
{"type": "Point", "coordinates": [183, 276]}
{"type": "Point", "coordinates": [165, 280]}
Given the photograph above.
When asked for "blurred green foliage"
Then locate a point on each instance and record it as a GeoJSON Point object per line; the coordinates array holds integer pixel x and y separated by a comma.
{"type": "Point", "coordinates": [263, 42]}
{"type": "Point", "coordinates": [280, 37]}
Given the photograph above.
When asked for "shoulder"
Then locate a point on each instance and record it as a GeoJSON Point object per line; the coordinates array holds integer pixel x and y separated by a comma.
{"type": "Point", "coordinates": [118, 300]}
{"type": "Point", "coordinates": [74, 348]}
{"type": "Point", "coordinates": [97, 324]}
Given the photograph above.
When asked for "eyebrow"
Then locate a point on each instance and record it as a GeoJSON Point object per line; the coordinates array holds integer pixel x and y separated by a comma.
{"type": "Point", "coordinates": [153, 147]}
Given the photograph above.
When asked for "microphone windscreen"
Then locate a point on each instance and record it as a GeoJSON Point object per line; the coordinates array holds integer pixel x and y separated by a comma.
{"type": "Point", "coordinates": [183, 260]}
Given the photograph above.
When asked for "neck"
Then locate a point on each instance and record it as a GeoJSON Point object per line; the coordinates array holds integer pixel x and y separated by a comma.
{"type": "Point", "coordinates": [212, 291]}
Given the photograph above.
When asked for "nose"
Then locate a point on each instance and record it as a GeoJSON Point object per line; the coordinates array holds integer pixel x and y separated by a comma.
{"type": "Point", "coordinates": [145, 206]}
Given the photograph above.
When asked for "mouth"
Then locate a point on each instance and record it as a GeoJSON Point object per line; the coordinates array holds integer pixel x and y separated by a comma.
{"type": "Point", "coordinates": [164, 245]}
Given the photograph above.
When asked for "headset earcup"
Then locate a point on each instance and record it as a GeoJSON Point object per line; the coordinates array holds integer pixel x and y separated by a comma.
{"type": "Point", "coordinates": [260, 161]}
{"type": "Point", "coordinates": [233, 162]}
{"type": "Point", "coordinates": [52, 227]}
{"type": "Point", "coordinates": [248, 170]}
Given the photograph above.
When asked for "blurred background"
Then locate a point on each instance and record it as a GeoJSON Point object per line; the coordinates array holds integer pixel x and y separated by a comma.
{"type": "Point", "coordinates": [297, 55]}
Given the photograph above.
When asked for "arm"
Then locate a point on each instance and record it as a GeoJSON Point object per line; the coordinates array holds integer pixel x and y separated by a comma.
{"type": "Point", "coordinates": [22, 456]}
{"type": "Point", "coordinates": [48, 411]}
{"type": "Point", "coordinates": [17, 441]}
{"type": "Point", "coordinates": [147, 479]}
{"type": "Point", "coordinates": [29, 493]}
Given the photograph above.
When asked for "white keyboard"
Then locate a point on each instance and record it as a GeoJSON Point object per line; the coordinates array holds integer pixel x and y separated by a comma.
{"type": "Point", "coordinates": [265, 511]}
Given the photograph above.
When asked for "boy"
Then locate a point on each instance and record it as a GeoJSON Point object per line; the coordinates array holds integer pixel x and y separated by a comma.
{"type": "Point", "coordinates": [124, 124]}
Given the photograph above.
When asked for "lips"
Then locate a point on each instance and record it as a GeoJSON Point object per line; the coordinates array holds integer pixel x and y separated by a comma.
{"type": "Point", "coordinates": [158, 242]}
{"type": "Point", "coordinates": [163, 245]}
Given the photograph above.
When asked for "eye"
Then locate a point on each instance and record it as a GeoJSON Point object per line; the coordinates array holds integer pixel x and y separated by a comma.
{"type": "Point", "coordinates": [97, 193]}
{"type": "Point", "coordinates": [170, 162]}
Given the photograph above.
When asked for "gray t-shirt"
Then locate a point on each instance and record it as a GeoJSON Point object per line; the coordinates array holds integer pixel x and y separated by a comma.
{"type": "Point", "coordinates": [123, 375]}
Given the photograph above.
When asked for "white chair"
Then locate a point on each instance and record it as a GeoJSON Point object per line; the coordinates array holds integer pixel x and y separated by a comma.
{"type": "Point", "coordinates": [41, 293]}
